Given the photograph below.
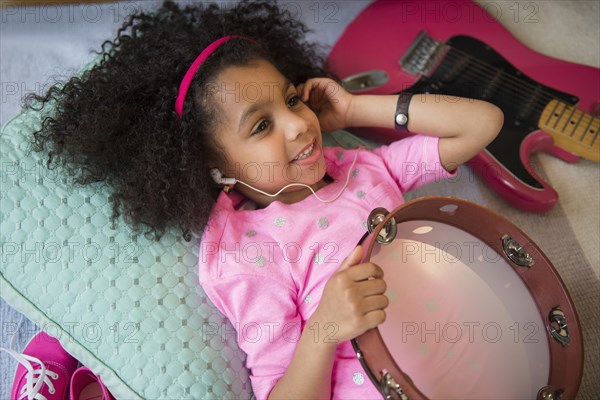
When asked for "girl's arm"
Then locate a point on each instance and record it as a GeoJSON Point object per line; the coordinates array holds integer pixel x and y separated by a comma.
{"type": "Point", "coordinates": [353, 302]}
{"type": "Point", "coordinates": [309, 374]}
{"type": "Point", "coordinates": [464, 125]}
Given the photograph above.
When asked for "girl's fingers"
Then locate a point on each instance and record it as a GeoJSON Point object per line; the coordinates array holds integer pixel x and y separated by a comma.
{"type": "Point", "coordinates": [375, 317]}
{"type": "Point", "coordinates": [365, 271]}
{"type": "Point", "coordinates": [372, 287]}
{"type": "Point", "coordinates": [311, 86]}
{"type": "Point", "coordinates": [373, 303]}
{"type": "Point", "coordinates": [305, 89]}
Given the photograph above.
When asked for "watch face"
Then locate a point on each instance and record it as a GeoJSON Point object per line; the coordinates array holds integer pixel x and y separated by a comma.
{"type": "Point", "coordinates": [401, 119]}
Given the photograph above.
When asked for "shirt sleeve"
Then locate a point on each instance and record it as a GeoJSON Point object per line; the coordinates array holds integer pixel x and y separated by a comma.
{"type": "Point", "coordinates": [264, 314]}
{"type": "Point", "coordinates": [414, 161]}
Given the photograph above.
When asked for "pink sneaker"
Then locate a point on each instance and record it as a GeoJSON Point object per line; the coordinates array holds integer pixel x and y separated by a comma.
{"type": "Point", "coordinates": [44, 370]}
{"type": "Point", "coordinates": [85, 385]}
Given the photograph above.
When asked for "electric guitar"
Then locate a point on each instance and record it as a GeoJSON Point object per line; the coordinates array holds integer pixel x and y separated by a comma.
{"type": "Point", "coordinates": [548, 104]}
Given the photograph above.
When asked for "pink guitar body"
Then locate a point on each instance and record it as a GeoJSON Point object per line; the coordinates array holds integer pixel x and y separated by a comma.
{"type": "Point", "coordinates": [383, 33]}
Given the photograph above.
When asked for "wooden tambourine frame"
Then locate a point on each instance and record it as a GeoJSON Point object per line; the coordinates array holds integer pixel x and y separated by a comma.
{"type": "Point", "coordinates": [532, 266]}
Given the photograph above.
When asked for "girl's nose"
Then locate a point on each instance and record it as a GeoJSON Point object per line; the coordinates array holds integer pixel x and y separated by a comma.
{"type": "Point", "coordinates": [295, 125]}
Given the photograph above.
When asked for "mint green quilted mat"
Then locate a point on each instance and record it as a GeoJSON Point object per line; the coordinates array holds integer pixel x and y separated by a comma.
{"type": "Point", "coordinates": [129, 308]}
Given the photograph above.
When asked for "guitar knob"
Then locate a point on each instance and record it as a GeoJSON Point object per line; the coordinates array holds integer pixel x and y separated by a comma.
{"type": "Point", "coordinates": [365, 81]}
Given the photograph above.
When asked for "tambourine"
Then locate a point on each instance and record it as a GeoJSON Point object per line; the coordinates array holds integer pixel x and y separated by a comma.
{"type": "Point", "coordinates": [476, 310]}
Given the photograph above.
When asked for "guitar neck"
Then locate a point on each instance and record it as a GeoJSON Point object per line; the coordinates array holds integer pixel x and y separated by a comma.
{"type": "Point", "coordinates": [572, 129]}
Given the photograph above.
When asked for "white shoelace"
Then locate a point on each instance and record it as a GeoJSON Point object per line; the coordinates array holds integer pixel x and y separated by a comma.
{"type": "Point", "coordinates": [35, 378]}
{"type": "Point", "coordinates": [33, 384]}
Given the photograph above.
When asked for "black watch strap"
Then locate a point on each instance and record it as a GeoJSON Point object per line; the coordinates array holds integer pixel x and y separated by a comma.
{"type": "Point", "coordinates": [401, 116]}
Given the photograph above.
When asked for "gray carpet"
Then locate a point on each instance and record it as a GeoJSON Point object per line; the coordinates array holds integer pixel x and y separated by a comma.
{"type": "Point", "coordinates": [37, 43]}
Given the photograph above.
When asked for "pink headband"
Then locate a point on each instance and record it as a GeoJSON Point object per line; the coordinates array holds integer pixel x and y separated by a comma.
{"type": "Point", "coordinates": [189, 75]}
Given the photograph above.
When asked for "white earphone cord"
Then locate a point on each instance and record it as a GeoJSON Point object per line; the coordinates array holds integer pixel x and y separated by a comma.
{"type": "Point", "coordinates": [305, 185]}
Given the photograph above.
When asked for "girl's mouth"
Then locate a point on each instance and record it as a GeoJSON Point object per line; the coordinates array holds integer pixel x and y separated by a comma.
{"type": "Point", "coordinates": [309, 155]}
{"type": "Point", "coordinates": [306, 153]}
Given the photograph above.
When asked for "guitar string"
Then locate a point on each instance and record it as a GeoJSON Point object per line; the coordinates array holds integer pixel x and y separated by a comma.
{"type": "Point", "coordinates": [486, 68]}
{"type": "Point", "coordinates": [515, 85]}
{"type": "Point", "coordinates": [479, 66]}
{"type": "Point", "coordinates": [584, 119]}
{"type": "Point", "coordinates": [512, 81]}
{"type": "Point", "coordinates": [576, 127]}
{"type": "Point", "coordinates": [536, 106]}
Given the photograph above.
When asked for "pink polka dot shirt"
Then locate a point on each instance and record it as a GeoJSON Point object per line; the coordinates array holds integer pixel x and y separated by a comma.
{"type": "Point", "coordinates": [265, 269]}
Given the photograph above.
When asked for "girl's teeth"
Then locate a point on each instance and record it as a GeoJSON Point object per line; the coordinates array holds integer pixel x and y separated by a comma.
{"type": "Point", "coordinates": [305, 153]}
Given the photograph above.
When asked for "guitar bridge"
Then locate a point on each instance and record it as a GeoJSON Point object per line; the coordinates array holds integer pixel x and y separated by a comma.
{"type": "Point", "coordinates": [423, 55]}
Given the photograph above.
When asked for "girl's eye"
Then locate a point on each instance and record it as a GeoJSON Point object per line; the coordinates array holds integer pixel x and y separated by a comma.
{"type": "Point", "coordinates": [294, 100]}
{"type": "Point", "coordinates": [264, 124]}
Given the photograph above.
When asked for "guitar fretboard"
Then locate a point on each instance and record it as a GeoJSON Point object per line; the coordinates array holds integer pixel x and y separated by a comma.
{"type": "Point", "coordinates": [572, 129]}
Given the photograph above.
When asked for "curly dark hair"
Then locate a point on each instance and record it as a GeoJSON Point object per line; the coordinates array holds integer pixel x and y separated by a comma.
{"type": "Point", "coordinates": [115, 123]}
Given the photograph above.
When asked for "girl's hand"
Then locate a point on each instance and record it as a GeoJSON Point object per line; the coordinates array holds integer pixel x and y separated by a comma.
{"type": "Point", "coordinates": [351, 303]}
{"type": "Point", "coordinates": [329, 100]}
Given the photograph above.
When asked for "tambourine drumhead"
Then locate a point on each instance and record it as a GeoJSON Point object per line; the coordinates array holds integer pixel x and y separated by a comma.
{"type": "Point", "coordinates": [466, 321]}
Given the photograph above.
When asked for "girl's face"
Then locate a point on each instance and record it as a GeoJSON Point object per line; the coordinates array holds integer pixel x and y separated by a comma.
{"type": "Point", "coordinates": [270, 136]}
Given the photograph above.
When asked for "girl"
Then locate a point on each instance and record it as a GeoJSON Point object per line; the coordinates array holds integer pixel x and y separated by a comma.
{"type": "Point", "coordinates": [202, 118]}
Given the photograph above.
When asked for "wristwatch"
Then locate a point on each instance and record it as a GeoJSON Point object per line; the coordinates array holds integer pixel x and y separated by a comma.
{"type": "Point", "coordinates": [401, 117]}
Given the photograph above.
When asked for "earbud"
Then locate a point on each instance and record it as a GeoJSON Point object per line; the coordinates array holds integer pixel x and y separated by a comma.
{"type": "Point", "coordinates": [218, 178]}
